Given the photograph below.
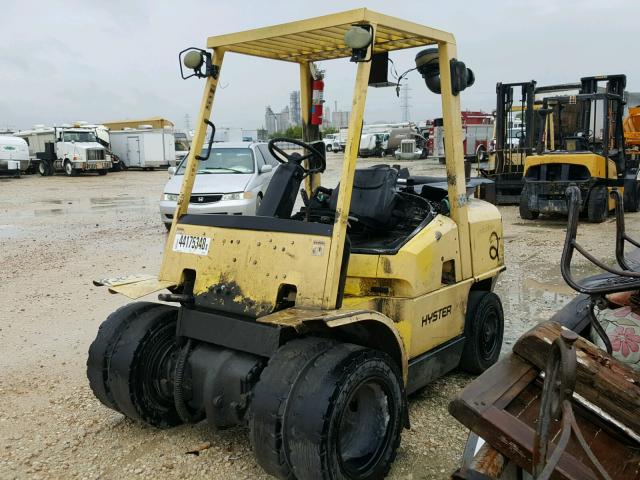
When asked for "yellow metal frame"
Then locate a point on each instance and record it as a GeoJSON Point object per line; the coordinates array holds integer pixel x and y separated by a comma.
{"type": "Point", "coordinates": [321, 38]}
{"type": "Point", "coordinates": [411, 301]}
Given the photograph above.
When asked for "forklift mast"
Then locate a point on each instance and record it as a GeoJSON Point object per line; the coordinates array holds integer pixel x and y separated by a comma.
{"type": "Point", "coordinates": [504, 119]}
{"type": "Point", "coordinates": [613, 135]}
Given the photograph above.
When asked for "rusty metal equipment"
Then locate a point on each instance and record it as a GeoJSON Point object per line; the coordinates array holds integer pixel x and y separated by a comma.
{"type": "Point", "coordinates": [580, 421]}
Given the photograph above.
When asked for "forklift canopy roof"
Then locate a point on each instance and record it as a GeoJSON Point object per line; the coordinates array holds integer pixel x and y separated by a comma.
{"type": "Point", "coordinates": [322, 38]}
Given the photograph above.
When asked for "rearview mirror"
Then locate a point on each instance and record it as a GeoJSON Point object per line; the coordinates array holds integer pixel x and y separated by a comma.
{"type": "Point", "coordinates": [171, 170]}
{"type": "Point", "coordinates": [266, 168]}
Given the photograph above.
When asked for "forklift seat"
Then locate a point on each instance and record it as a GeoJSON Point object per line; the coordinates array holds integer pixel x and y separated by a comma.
{"type": "Point", "coordinates": [373, 198]}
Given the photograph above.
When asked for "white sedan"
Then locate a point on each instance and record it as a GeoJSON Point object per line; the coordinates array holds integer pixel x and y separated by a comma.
{"type": "Point", "coordinates": [231, 181]}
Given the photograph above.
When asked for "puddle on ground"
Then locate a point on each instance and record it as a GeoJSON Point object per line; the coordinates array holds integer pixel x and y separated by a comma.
{"type": "Point", "coordinates": [533, 294]}
{"type": "Point", "coordinates": [9, 231]}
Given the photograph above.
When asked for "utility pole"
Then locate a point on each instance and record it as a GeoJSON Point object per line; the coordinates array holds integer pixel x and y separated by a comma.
{"type": "Point", "coordinates": [404, 102]}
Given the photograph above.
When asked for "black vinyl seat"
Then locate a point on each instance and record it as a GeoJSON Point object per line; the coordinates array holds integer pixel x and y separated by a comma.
{"type": "Point", "coordinates": [373, 198]}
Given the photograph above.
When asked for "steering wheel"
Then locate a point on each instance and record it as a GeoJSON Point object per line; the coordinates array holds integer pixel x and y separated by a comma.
{"type": "Point", "coordinates": [584, 133]}
{"type": "Point", "coordinates": [283, 157]}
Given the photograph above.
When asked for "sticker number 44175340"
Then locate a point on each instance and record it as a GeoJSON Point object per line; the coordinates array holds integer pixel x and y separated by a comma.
{"type": "Point", "coordinates": [191, 244]}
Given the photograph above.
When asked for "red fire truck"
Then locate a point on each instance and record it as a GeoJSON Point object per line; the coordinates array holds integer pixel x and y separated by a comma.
{"type": "Point", "coordinates": [477, 130]}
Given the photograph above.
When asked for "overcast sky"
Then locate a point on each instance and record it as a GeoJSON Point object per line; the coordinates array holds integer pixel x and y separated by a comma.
{"type": "Point", "coordinates": [103, 60]}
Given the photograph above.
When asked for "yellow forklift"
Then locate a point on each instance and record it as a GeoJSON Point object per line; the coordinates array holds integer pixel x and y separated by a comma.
{"type": "Point", "coordinates": [581, 143]}
{"type": "Point", "coordinates": [312, 327]}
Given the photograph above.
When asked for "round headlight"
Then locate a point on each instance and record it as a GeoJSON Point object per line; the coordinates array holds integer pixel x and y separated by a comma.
{"type": "Point", "coordinates": [193, 59]}
{"type": "Point", "coordinates": [357, 37]}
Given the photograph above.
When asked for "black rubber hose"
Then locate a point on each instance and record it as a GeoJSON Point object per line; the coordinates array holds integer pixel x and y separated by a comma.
{"type": "Point", "coordinates": [178, 392]}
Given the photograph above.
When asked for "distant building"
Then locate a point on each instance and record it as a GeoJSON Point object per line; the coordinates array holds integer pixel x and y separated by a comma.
{"type": "Point", "coordinates": [270, 121]}
{"type": "Point", "coordinates": [294, 107]}
{"type": "Point", "coordinates": [277, 122]}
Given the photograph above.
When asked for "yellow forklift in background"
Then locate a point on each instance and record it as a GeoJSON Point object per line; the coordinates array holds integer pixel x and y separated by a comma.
{"type": "Point", "coordinates": [581, 143]}
{"type": "Point", "coordinates": [312, 327]}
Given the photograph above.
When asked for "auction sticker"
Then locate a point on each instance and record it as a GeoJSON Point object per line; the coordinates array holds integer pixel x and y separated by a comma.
{"type": "Point", "coordinates": [191, 244]}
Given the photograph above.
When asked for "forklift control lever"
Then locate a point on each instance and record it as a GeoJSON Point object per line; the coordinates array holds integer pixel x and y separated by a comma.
{"type": "Point", "coordinates": [213, 134]}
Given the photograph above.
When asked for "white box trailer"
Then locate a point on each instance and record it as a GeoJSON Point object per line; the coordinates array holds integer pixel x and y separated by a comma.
{"type": "Point", "coordinates": [14, 154]}
{"type": "Point", "coordinates": [144, 148]}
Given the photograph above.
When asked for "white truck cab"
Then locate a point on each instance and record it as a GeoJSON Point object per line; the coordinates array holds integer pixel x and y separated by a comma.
{"type": "Point", "coordinates": [69, 149]}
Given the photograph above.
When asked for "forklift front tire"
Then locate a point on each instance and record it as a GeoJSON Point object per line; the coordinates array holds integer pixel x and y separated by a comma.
{"type": "Point", "coordinates": [525, 213]}
{"type": "Point", "coordinates": [632, 203]}
{"type": "Point", "coordinates": [101, 350]}
{"type": "Point", "coordinates": [597, 205]}
{"type": "Point", "coordinates": [484, 328]}
{"type": "Point", "coordinates": [345, 415]}
{"type": "Point", "coordinates": [140, 364]}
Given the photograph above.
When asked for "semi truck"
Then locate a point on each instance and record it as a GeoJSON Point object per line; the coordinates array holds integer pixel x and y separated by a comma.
{"type": "Point", "coordinates": [72, 150]}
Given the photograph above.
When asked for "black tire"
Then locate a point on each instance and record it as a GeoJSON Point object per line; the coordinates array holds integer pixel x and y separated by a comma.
{"type": "Point", "coordinates": [42, 168]}
{"type": "Point", "coordinates": [329, 148]}
{"type": "Point", "coordinates": [597, 205]}
{"type": "Point", "coordinates": [632, 202]}
{"type": "Point", "coordinates": [69, 170]}
{"type": "Point", "coordinates": [345, 415]}
{"type": "Point", "coordinates": [101, 349]}
{"type": "Point", "coordinates": [525, 213]}
{"type": "Point", "coordinates": [102, 171]}
{"type": "Point", "coordinates": [270, 397]}
{"type": "Point", "coordinates": [167, 226]}
{"type": "Point", "coordinates": [484, 329]}
{"type": "Point", "coordinates": [140, 366]}
{"type": "Point", "coordinates": [259, 198]}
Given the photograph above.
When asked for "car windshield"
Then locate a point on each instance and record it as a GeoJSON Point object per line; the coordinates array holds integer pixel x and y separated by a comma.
{"type": "Point", "coordinates": [78, 137]}
{"type": "Point", "coordinates": [224, 160]}
{"type": "Point", "coordinates": [181, 146]}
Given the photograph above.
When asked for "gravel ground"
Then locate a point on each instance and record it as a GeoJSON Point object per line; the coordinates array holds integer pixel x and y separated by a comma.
{"type": "Point", "coordinates": [58, 233]}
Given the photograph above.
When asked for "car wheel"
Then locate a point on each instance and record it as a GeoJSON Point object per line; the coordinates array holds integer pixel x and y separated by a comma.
{"type": "Point", "coordinates": [329, 148]}
{"type": "Point", "coordinates": [102, 171]}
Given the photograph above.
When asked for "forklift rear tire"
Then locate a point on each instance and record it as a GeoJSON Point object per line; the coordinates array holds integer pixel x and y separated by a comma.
{"type": "Point", "coordinates": [101, 350]}
{"type": "Point", "coordinates": [345, 415]}
{"type": "Point", "coordinates": [269, 400]}
{"type": "Point", "coordinates": [484, 328]}
{"type": "Point", "coordinates": [597, 205]}
{"type": "Point", "coordinates": [525, 213]}
{"type": "Point", "coordinates": [140, 365]}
